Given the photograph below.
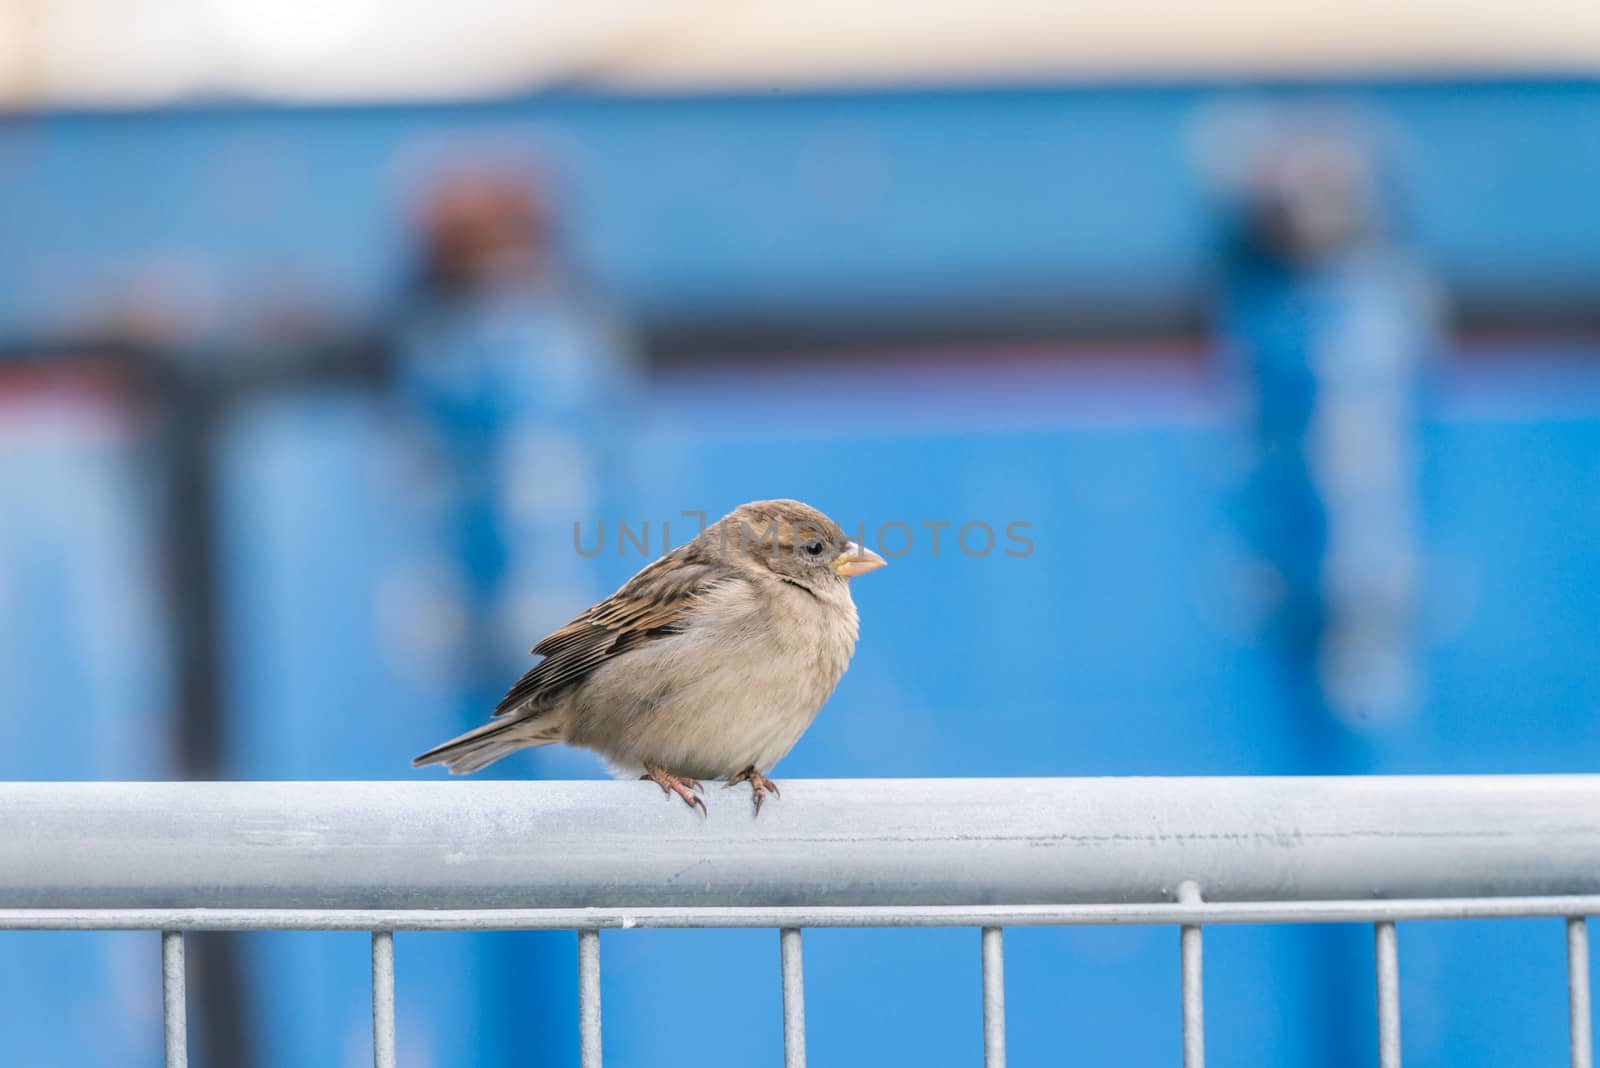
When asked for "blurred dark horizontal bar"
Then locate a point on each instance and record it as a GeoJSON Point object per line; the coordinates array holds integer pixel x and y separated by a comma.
{"type": "Point", "coordinates": [921, 336]}
{"type": "Point", "coordinates": [1131, 330]}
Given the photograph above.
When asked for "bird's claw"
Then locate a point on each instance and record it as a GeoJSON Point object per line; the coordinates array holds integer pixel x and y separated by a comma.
{"type": "Point", "coordinates": [685, 787]}
{"type": "Point", "coordinates": [760, 786]}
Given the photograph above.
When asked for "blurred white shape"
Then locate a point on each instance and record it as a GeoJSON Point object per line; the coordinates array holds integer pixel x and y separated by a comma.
{"type": "Point", "coordinates": [144, 50]}
{"type": "Point", "coordinates": [1367, 671]}
{"type": "Point", "coordinates": [290, 33]}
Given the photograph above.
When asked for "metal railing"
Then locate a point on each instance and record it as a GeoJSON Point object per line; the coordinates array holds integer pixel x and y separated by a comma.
{"type": "Point", "coordinates": [990, 854]}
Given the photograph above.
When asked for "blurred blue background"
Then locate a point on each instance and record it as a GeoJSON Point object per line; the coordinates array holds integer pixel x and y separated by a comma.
{"type": "Point", "coordinates": [1292, 386]}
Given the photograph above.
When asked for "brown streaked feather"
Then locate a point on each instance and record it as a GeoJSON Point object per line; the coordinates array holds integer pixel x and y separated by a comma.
{"type": "Point", "coordinates": [654, 603]}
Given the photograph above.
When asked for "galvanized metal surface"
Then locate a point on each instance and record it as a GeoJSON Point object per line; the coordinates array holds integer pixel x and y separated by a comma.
{"type": "Point", "coordinates": [1580, 1022]}
{"type": "Point", "coordinates": [994, 998]}
{"type": "Point", "coordinates": [174, 1001]}
{"type": "Point", "coordinates": [792, 969]}
{"type": "Point", "coordinates": [313, 919]}
{"type": "Point", "coordinates": [1190, 980]}
{"type": "Point", "coordinates": [383, 1041]}
{"type": "Point", "coordinates": [1388, 967]}
{"type": "Point", "coordinates": [465, 845]}
{"type": "Point", "coordinates": [589, 999]}
{"type": "Point", "coordinates": [988, 854]}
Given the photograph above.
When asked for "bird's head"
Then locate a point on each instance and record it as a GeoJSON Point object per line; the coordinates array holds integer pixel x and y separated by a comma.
{"type": "Point", "coordinates": [794, 541]}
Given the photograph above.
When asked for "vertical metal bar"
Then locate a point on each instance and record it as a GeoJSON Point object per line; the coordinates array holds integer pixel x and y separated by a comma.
{"type": "Point", "coordinates": [1194, 1013]}
{"type": "Point", "coordinates": [1578, 992]}
{"type": "Point", "coordinates": [174, 1000]}
{"type": "Point", "coordinates": [589, 999]}
{"type": "Point", "coordinates": [1388, 955]}
{"type": "Point", "coordinates": [383, 1054]}
{"type": "Point", "coordinates": [794, 998]}
{"type": "Point", "coordinates": [994, 999]}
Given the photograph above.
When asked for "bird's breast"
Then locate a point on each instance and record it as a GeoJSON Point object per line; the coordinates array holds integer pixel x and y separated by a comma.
{"type": "Point", "coordinates": [737, 688]}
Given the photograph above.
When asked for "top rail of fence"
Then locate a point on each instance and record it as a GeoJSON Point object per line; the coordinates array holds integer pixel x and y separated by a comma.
{"type": "Point", "coordinates": [826, 844]}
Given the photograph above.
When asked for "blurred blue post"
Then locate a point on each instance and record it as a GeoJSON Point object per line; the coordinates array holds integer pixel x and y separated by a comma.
{"type": "Point", "coordinates": [1332, 327]}
{"type": "Point", "coordinates": [517, 386]}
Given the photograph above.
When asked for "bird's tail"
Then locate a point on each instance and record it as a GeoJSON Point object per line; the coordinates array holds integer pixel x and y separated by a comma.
{"type": "Point", "coordinates": [483, 745]}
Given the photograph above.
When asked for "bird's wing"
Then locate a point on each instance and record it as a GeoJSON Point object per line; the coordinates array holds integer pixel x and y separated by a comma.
{"type": "Point", "coordinates": [654, 603]}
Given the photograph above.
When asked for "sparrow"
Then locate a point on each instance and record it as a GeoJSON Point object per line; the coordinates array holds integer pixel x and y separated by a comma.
{"type": "Point", "coordinates": [710, 663]}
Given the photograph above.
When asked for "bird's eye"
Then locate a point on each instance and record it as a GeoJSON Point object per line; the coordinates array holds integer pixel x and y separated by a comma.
{"type": "Point", "coordinates": [813, 548]}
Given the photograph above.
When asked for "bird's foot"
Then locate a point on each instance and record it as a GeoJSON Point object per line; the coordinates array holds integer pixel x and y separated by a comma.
{"type": "Point", "coordinates": [759, 785]}
{"type": "Point", "coordinates": [682, 785]}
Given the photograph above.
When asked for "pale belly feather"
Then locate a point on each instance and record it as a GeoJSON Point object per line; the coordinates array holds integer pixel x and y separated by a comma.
{"type": "Point", "coordinates": [718, 699]}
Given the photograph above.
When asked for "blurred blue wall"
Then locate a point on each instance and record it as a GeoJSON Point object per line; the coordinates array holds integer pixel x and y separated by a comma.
{"type": "Point", "coordinates": [1130, 641]}
{"type": "Point", "coordinates": [694, 205]}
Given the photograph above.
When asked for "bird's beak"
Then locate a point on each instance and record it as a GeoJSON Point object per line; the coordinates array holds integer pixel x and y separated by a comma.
{"type": "Point", "coordinates": [856, 560]}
